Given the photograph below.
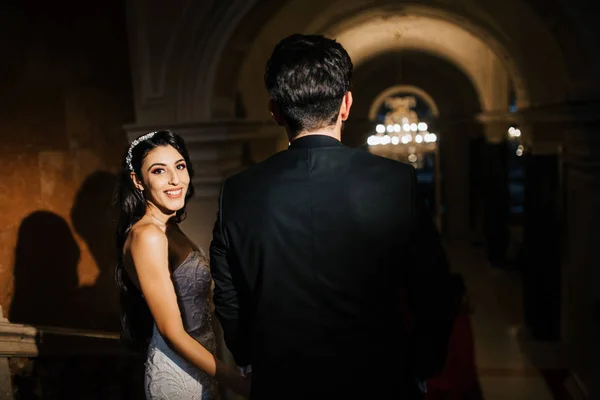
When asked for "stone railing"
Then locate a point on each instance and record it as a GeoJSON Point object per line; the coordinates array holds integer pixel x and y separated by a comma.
{"type": "Point", "coordinates": [18, 340]}
{"type": "Point", "coordinates": [26, 342]}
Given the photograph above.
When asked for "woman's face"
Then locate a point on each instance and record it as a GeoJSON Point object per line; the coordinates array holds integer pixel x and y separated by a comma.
{"type": "Point", "coordinates": [165, 178]}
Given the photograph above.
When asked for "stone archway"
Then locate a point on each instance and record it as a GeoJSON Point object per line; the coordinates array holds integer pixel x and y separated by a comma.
{"type": "Point", "coordinates": [368, 35]}
{"type": "Point", "coordinates": [187, 59]}
{"type": "Point", "coordinates": [378, 31]}
{"type": "Point", "coordinates": [504, 38]}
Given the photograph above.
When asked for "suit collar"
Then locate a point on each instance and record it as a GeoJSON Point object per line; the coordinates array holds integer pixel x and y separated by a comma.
{"type": "Point", "coordinates": [312, 141]}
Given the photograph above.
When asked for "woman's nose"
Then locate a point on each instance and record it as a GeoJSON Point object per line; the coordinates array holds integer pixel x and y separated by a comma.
{"type": "Point", "coordinates": [174, 178]}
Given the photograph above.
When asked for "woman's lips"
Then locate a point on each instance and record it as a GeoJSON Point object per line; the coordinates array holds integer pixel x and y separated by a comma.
{"type": "Point", "coordinates": [174, 193]}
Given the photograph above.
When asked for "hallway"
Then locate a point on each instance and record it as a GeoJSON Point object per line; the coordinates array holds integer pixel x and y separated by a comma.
{"type": "Point", "coordinates": [508, 365]}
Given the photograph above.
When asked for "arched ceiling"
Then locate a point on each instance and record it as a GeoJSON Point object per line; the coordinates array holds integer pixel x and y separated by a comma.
{"type": "Point", "coordinates": [191, 59]}
{"type": "Point", "coordinates": [375, 34]}
{"type": "Point", "coordinates": [485, 39]}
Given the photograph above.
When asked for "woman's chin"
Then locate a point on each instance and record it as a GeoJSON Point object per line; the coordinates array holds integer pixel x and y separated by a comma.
{"type": "Point", "coordinates": [171, 206]}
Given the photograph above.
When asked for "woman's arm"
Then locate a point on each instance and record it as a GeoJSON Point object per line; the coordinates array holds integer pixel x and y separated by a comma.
{"type": "Point", "coordinates": [149, 251]}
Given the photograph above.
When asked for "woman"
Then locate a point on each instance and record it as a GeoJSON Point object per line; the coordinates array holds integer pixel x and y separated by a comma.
{"type": "Point", "coordinates": [164, 277]}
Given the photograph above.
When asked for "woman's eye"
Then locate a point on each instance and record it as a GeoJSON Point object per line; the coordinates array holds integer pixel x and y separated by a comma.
{"type": "Point", "coordinates": [181, 166]}
{"type": "Point", "coordinates": [158, 171]}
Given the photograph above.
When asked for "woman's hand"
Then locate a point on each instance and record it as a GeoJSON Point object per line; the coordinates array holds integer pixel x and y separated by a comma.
{"type": "Point", "coordinates": [232, 379]}
{"type": "Point", "coordinates": [240, 384]}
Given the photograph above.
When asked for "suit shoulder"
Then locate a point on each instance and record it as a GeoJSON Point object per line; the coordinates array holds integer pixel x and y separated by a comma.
{"type": "Point", "coordinates": [397, 167]}
{"type": "Point", "coordinates": [254, 173]}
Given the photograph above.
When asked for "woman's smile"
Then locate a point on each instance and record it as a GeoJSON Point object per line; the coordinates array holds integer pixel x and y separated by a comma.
{"type": "Point", "coordinates": [174, 193]}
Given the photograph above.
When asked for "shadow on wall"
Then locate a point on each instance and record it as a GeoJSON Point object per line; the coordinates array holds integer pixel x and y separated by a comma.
{"type": "Point", "coordinates": [94, 219]}
{"type": "Point", "coordinates": [46, 259]}
{"type": "Point", "coordinates": [45, 272]}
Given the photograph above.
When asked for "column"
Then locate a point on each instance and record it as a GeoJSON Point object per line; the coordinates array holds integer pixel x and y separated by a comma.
{"type": "Point", "coordinates": [495, 191]}
{"type": "Point", "coordinates": [477, 209]}
{"type": "Point", "coordinates": [581, 283]}
{"type": "Point", "coordinates": [540, 256]}
{"type": "Point", "coordinates": [454, 159]}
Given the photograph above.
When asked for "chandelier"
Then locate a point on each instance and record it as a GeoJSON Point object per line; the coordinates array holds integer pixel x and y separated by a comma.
{"type": "Point", "coordinates": [402, 136]}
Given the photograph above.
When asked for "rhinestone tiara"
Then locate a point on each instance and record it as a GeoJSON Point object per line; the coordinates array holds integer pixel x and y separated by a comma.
{"type": "Point", "coordinates": [132, 146]}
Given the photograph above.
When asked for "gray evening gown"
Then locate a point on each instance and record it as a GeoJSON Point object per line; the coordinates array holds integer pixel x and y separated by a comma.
{"type": "Point", "coordinates": [169, 376]}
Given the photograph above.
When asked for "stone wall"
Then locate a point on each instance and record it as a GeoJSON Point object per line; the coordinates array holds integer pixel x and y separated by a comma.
{"type": "Point", "coordinates": [66, 93]}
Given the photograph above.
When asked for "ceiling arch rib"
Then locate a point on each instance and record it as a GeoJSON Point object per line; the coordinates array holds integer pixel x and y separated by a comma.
{"type": "Point", "coordinates": [472, 56]}
{"type": "Point", "coordinates": [372, 35]}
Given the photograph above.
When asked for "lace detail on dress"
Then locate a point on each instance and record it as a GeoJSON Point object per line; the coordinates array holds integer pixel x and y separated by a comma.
{"type": "Point", "coordinates": [169, 376]}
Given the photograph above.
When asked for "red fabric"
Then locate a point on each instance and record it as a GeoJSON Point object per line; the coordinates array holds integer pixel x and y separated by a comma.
{"type": "Point", "coordinates": [459, 376]}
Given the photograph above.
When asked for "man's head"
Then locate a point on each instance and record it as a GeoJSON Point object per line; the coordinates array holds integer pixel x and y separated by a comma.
{"type": "Point", "coordinates": [308, 79]}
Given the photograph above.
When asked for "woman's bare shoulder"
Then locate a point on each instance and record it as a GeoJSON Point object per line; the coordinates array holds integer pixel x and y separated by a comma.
{"type": "Point", "coordinates": [147, 234]}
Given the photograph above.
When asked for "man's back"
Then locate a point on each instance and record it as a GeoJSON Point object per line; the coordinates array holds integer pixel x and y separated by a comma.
{"type": "Point", "coordinates": [323, 238]}
{"type": "Point", "coordinates": [319, 251]}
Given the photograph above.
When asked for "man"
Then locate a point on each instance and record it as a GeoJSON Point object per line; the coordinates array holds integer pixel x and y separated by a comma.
{"type": "Point", "coordinates": [319, 250]}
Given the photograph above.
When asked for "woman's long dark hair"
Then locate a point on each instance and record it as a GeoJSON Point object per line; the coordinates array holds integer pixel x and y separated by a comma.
{"type": "Point", "coordinates": [136, 319]}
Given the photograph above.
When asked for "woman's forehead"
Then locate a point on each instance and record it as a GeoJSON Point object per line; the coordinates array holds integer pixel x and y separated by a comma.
{"type": "Point", "coordinates": [163, 155]}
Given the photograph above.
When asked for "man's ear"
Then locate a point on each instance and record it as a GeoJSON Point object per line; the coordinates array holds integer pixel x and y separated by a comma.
{"type": "Point", "coordinates": [276, 113]}
{"type": "Point", "coordinates": [136, 181]}
{"type": "Point", "coordinates": [346, 105]}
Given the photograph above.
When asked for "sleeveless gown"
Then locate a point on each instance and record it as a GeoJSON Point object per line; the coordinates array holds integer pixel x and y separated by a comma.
{"type": "Point", "coordinates": [168, 375]}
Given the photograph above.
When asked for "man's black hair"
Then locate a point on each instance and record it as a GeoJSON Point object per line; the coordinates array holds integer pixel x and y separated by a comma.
{"type": "Point", "coordinates": [307, 77]}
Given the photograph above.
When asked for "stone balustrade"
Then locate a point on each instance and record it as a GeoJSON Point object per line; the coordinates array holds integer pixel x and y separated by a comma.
{"type": "Point", "coordinates": [19, 341]}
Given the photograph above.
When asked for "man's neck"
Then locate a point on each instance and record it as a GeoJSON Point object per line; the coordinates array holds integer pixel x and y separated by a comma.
{"type": "Point", "coordinates": [330, 132]}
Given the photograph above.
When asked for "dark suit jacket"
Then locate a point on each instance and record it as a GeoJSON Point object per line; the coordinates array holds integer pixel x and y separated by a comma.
{"type": "Point", "coordinates": [314, 252]}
